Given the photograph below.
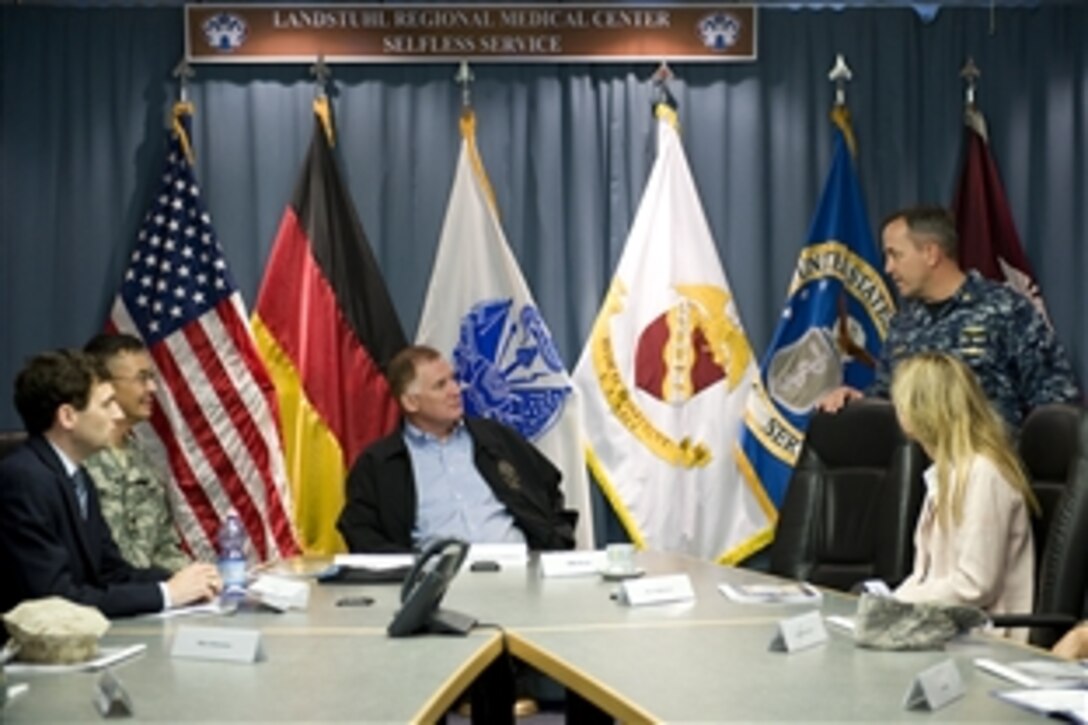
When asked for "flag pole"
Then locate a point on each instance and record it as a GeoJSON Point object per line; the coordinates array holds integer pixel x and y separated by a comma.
{"type": "Point", "coordinates": [321, 73]}
{"type": "Point", "coordinates": [465, 78]}
{"type": "Point", "coordinates": [840, 74]}
{"type": "Point", "coordinates": [972, 116]}
{"type": "Point", "coordinates": [661, 78]}
{"type": "Point", "coordinates": [663, 74]}
{"type": "Point", "coordinates": [970, 74]}
{"type": "Point", "coordinates": [183, 72]}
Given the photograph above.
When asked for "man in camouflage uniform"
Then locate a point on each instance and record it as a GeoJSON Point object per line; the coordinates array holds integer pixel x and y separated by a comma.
{"type": "Point", "coordinates": [131, 487]}
{"type": "Point", "coordinates": [994, 329]}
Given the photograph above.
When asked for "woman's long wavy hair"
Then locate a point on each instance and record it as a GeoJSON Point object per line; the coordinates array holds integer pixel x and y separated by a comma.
{"type": "Point", "coordinates": [941, 405]}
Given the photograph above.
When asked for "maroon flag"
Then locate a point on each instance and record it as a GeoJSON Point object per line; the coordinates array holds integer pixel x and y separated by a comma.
{"type": "Point", "coordinates": [988, 238]}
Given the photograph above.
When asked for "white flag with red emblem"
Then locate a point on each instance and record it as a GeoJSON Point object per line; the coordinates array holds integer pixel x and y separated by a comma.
{"type": "Point", "coordinates": [665, 376]}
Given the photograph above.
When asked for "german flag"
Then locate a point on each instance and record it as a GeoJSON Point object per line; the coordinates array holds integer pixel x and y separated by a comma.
{"type": "Point", "coordinates": [326, 328]}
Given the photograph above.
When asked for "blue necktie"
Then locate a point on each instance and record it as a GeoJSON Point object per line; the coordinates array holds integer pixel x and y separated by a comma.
{"type": "Point", "coordinates": [79, 482]}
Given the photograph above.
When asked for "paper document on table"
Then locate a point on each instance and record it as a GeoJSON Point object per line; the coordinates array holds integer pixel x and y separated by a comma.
{"type": "Point", "coordinates": [846, 624]}
{"type": "Point", "coordinates": [14, 691]}
{"type": "Point", "coordinates": [1039, 673]}
{"type": "Point", "coordinates": [502, 554]}
{"type": "Point", "coordinates": [106, 657]}
{"type": "Point", "coordinates": [207, 608]}
{"type": "Point", "coordinates": [367, 569]}
{"type": "Point", "coordinates": [296, 567]}
{"type": "Point", "coordinates": [279, 593]}
{"type": "Point", "coordinates": [791, 593]}
{"type": "Point", "coordinates": [1071, 705]}
{"type": "Point", "coordinates": [374, 562]}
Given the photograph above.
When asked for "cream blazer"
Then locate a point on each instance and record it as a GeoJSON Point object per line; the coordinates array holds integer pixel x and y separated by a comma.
{"type": "Point", "coordinates": [987, 560]}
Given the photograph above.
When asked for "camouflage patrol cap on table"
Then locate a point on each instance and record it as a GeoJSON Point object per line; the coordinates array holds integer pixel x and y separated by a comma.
{"type": "Point", "coordinates": [55, 631]}
{"type": "Point", "coordinates": [889, 624]}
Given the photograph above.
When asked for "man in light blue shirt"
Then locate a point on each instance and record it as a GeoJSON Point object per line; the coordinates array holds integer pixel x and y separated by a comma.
{"type": "Point", "coordinates": [454, 500]}
{"type": "Point", "coordinates": [445, 475]}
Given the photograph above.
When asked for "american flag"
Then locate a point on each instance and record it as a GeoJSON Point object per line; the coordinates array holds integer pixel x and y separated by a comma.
{"type": "Point", "coordinates": [216, 415]}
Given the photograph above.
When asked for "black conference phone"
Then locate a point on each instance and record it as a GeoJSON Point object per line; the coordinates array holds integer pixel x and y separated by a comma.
{"type": "Point", "coordinates": [423, 589]}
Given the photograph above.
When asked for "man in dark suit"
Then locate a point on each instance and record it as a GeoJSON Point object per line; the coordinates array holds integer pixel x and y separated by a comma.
{"type": "Point", "coordinates": [444, 475]}
{"type": "Point", "coordinates": [53, 539]}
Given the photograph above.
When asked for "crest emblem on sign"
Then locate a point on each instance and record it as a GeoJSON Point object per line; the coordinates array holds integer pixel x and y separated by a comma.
{"type": "Point", "coordinates": [719, 31]}
{"type": "Point", "coordinates": [225, 32]}
{"type": "Point", "coordinates": [509, 367]}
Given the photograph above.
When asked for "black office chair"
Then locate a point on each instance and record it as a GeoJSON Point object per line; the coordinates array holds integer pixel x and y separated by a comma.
{"type": "Point", "coordinates": [1048, 445]}
{"type": "Point", "coordinates": [853, 500]}
{"type": "Point", "coordinates": [1061, 581]}
{"type": "Point", "coordinates": [10, 440]}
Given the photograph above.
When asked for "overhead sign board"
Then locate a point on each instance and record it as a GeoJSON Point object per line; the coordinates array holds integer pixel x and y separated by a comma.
{"type": "Point", "coordinates": [368, 33]}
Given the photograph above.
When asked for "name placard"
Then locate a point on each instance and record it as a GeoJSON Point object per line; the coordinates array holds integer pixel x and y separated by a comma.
{"type": "Point", "coordinates": [215, 643]}
{"type": "Point", "coordinates": [797, 633]}
{"type": "Point", "coordinates": [111, 699]}
{"type": "Point", "coordinates": [877, 587]}
{"type": "Point", "coordinates": [935, 687]}
{"type": "Point", "coordinates": [657, 590]}
{"type": "Point", "coordinates": [571, 563]}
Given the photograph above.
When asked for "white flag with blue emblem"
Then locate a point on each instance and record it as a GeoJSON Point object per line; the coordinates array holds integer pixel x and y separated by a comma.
{"type": "Point", "coordinates": [480, 313]}
{"type": "Point", "coordinates": [665, 376]}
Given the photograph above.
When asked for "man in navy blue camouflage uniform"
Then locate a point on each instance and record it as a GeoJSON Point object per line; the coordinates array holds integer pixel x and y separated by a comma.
{"type": "Point", "coordinates": [993, 328]}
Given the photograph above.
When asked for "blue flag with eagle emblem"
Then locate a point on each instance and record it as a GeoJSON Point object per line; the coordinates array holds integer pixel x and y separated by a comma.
{"type": "Point", "coordinates": [480, 314]}
{"type": "Point", "coordinates": [665, 375]}
{"type": "Point", "coordinates": [832, 327]}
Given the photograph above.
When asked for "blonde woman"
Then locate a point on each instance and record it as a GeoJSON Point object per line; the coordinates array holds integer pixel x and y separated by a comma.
{"type": "Point", "coordinates": [973, 540]}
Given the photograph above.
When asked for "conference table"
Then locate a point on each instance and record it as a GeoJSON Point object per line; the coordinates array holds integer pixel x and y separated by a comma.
{"type": "Point", "coordinates": [703, 660]}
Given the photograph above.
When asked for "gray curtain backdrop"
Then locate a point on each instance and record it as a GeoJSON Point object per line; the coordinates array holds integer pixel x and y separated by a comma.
{"type": "Point", "coordinates": [84, 92]}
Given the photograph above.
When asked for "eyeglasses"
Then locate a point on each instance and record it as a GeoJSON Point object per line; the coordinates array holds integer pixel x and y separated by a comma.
{"type": "Point", "coordinates": [143, 377]}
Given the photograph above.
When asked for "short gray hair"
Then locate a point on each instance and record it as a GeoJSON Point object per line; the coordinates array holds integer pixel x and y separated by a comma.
{"type": "Point", "coordinates": [934, 222]}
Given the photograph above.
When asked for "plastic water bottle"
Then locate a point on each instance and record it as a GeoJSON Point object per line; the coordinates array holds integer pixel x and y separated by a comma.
{"type": "Point", "coordinates": [232, 557]}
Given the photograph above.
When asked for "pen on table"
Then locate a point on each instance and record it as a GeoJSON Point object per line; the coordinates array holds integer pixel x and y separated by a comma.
{"type": "Point", "coordinates": [1005, 672]}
